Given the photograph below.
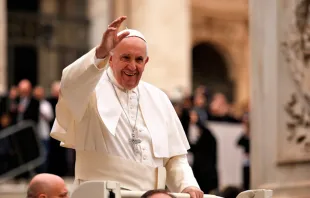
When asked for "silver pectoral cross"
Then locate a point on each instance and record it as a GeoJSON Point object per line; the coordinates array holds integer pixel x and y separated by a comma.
{"type": "Point", "coordinates": [134, 141]}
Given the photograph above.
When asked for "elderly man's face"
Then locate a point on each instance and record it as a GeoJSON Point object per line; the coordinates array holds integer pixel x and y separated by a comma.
{"type": "Point", "coordinates": [128, 61]}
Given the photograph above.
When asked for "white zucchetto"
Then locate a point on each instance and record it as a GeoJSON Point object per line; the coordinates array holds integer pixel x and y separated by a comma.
{"type": "Point", "coordinates": [133, 33]}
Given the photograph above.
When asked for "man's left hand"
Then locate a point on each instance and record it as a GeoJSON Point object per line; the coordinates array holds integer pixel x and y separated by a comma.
{"type": "Point", "coordinates": [194, 192]}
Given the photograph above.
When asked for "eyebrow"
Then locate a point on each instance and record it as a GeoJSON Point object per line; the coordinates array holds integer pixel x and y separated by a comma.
{"type": "Point", "coordinates": [124, 55]}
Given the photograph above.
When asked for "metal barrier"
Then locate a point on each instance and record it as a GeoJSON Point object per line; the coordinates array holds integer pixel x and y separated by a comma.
{"type": "Point", "coordinates": [111, 189]}
{"type": "Point", "coordinates": [24, 152]}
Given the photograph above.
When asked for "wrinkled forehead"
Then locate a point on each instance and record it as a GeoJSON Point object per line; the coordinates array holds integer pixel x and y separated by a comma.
{"type": "Point", "coordinates": [132, 44]}
{"type": "Point", "coordinates": [133, 33]}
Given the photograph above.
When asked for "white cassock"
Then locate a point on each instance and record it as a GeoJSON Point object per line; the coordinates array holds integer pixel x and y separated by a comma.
{"type": "Point", "coordinates": [91, 120]}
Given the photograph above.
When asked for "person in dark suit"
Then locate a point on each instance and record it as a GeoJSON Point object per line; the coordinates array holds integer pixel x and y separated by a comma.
{"type": "Point", "coordinates": [205, 156]}
{"type": "Point", "coordinates": [28, 109]}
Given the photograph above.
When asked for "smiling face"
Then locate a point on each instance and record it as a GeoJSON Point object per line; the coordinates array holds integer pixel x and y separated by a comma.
{"type": "Point", "coordinates": [128, 61]}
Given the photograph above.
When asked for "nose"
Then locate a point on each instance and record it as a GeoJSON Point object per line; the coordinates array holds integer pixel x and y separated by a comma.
{"type": "Point", "coordinates": [132, 65]}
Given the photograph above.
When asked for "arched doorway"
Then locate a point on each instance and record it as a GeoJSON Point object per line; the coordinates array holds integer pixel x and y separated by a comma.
{"type": "Point", "coordinates": [210, 68]}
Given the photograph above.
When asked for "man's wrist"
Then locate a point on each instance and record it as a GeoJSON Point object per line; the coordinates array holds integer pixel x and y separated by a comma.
{"type": "Point", "coordinates": [100, 54]}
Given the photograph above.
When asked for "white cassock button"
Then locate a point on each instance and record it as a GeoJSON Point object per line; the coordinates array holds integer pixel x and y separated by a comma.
{"type": "Point", "coordinates": [144, 148]}
{"type": "Point", "coordinates": [144, 157]}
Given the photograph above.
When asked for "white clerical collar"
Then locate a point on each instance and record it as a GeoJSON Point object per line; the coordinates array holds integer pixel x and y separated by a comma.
{"type": "Point", "coordinates": [114, 81]}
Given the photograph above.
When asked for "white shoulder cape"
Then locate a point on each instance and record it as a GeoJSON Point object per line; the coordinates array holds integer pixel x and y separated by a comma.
{"type": "Point", "coordinates": [168, 136]}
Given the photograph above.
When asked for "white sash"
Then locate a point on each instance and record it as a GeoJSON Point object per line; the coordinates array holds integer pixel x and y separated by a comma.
{"type": "Point", "coordinates": [131, 175]}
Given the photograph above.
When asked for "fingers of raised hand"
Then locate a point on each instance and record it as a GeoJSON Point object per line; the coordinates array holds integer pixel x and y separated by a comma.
{"type": "Point", "coordinates": [111, 29]}
{"type": "Point", "coordinates": [123, 35]}
{"type": "Point", "coordinates": [116, 23]}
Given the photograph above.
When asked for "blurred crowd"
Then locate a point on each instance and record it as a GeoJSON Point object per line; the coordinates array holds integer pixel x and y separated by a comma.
{"type": "Point", "coordinates": [195, 111]}
{"type": "Point", "coordinates": [25, 102]}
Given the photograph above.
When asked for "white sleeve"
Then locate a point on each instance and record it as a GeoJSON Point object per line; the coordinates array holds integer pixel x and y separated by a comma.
{"type": "Point", "coordinates": [79, 81]}
{"type": "Point", "coordinates": [46, 110]}
{"type": "Point", "coordinates": [97, 61]}
{"type": "Point", "coordinates": [179, 174]}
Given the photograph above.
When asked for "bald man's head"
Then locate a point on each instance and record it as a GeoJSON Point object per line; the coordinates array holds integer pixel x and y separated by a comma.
{"type": "Point", "coordinates": [24, 88]}
{"type": "Point", "coordinates": [38, 93]}
{"type": "Point", "coordinates": [47, 186]}
{"type": "Point", "coordinates": [55, 89]}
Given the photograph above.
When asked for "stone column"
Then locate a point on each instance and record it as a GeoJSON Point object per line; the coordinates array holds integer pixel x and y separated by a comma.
{"type": "Point", "coordinates": [279, 107]}
{"type": "Point", "coordinates": [48, 58]}
{"type": "Point", "coordinates": [245, 86]}
{"type": "Point", "coordinates": [3, 48]}
{"type": "Point", "coordinates": [241, 75]}
{"type": "Point", "coordinates": [99, 15]}
{"type": "Point", "coordinates": [166, 26]}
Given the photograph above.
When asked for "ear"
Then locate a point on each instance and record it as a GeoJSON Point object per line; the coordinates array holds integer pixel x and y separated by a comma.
{"type": "Point", "coordinates": [42, 196]}
{"type": "Point", "coordinates": [110, 60]}
{"type": "Point", "coordinates": [146, 60]}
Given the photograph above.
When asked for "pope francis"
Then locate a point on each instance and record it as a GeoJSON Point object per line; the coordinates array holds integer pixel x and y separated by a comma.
{"type": "Point", "coordinates": [122, 129]}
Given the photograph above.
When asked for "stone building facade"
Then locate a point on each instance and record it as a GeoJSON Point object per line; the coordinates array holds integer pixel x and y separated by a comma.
{"type": "Point", "coordinates": [176, 37]}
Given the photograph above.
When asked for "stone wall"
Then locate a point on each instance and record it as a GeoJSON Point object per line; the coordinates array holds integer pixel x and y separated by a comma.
{"type": "Point", "coordinates": [279, 106]}
{"type": "Point", "coordinates": [225, 24]}
{"type": "Point", "coordinates": [168, 36]}
{"type": "Point", "coordinates": [47, 58]}
{"type": "Point", "coordinates": [99, 15]}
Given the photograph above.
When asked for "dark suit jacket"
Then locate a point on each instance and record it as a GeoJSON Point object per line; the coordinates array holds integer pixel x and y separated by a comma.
{"type": "Point", "coordinates": [3, 106]}
{"type": "Point", "coordinates": [6, 110]}
{"type": "Point", "coordinates": [205, 159]}
{"type": "Point", "coordinates": [32, 111]}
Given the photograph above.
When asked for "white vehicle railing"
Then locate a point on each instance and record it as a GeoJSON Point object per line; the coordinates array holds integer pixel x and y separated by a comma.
{"type": "Point", "coordinates": [111, 189]}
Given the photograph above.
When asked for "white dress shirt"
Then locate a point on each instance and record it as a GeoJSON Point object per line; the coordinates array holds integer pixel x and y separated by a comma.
{"type": "Point", "coordinates": [46, 115]}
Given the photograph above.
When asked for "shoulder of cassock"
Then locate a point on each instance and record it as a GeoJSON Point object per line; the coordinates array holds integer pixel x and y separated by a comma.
{"type": "Point", "coordinates": [168, 136]}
